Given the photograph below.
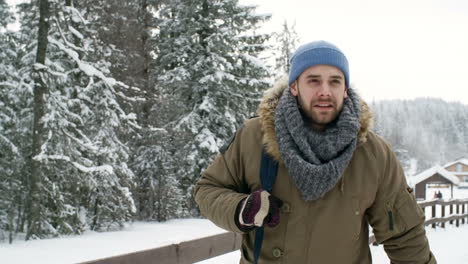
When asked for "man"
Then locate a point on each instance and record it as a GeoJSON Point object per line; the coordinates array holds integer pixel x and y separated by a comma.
{"type": "Point", "coordinates": [335, 176]}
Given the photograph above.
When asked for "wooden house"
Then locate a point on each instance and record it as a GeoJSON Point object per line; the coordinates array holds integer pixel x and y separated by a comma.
{"type": "Point", "coordinates": [434, 176]}
{"type": "Point", "coordinates": [459, 168]}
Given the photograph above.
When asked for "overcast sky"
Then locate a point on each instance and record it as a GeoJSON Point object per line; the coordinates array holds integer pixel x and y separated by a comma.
{"type": "Point", "coordinates": [396, 48]}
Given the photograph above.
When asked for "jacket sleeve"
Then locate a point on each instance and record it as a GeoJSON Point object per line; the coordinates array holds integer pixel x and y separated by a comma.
{"type": "Point", "coordinates": [221, 186]}
{"type": "Point", "coordinates": [396, 218]}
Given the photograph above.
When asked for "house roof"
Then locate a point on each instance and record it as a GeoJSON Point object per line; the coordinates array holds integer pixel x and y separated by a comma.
{"type": "Point", "coordinates": [462, 161]}
{"type": "Point", "coordinates": [431, 172]}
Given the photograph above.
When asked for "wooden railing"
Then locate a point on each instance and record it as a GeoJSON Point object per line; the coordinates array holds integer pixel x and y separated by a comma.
{"type": "Point", "coordinates": [457, 214]}
{"type": "Point", "coordinates": [182, 253]}
{"type": "Point", "coordinates": [205, 248]}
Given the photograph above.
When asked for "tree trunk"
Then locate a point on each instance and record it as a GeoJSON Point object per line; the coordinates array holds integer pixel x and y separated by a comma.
{"type": "Point", "coordinates": [40, 89]}
{"type": "Point", "coordinates": [145, 32]}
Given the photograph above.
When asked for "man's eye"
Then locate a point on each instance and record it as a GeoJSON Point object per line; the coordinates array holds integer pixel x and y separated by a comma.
{"type": "Point", "coordinates": [313, 81]}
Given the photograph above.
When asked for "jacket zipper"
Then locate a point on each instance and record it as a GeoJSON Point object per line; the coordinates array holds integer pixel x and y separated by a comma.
{"type": "Point", "coordinates": [390, 220]}
{"type": "Point", "coordinates": [391, 223]}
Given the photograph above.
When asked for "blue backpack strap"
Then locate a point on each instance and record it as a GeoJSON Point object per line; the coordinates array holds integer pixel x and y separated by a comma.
{"type": "Point", "coordinates": [268, 172]}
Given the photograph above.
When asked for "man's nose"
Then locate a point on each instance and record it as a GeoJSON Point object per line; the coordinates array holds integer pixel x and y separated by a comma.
{"type": "Point", "coordinates": [324, 89]}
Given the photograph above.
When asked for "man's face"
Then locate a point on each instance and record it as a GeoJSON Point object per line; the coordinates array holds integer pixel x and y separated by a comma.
{"type": "Point", "coordinates": [321, 91]}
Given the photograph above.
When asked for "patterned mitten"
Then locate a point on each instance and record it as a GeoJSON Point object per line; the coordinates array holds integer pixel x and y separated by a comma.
{"type": "Point", "coordinates": [260, 208]}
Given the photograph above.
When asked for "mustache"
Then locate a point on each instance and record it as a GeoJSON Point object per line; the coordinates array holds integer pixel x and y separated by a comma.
{"type": "Point", "coordinates": [323, 101]}
{"type": "Point", "coordinates": [329, 100]}
{"type": "Point", "coordinates": [300, 101]}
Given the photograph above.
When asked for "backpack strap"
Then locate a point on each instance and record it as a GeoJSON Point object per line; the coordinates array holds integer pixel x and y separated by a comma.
{"type": "Point", "coordinates": [268, 172]}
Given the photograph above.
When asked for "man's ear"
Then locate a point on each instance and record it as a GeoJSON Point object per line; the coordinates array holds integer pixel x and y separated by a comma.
{"type": "Point", "coordinates": [294, 88]}
{"type": "Point", "coordinates": [346, 92]}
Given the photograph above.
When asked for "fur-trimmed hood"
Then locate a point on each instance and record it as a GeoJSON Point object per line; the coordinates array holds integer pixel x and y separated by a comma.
{"type": "Point", "coordinates": [266, 112]}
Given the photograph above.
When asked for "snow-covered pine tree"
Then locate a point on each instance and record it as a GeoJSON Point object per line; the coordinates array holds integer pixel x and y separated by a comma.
{"type": "Point", "coordinates": [6, 15]}
{"type": "Point", "coordinates": [81, 178]}
{"type": "Point", "coordinates": [12, 132]}
{"type": "Point", "coordinates": [209, 78]}
{"type": "Point", "coordinates": [123, 28]}
{"type": "Point", "coordinates": [126, 27]}
{"type": "Point", "coordinates": [158, 193]}
{"type": "Point", "coordinates": [118, 24]}
{"type": "Point", "coordinates": [34, 21]}
{"type": "Point", "coordinates": [286, 42]}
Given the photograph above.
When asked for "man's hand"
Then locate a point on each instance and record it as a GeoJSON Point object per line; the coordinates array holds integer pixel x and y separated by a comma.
{"type": "Point", "coordinates": [260, 208]}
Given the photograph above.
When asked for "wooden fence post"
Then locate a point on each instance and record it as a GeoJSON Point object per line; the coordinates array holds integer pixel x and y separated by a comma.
{"type": "Point", "coordinates": [458, 211]}
{"type": "Point", "coordinates": [434, 215]}
{"type": "Point", "coordinates": [463, 212]}
{"type": "Point", "coordinates": [443, 215]}
{"type": "Point", "coordinates": [451, 213]}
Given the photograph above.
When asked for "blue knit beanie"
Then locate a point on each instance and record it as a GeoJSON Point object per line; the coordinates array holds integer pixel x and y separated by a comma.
{"type": "Point", "coordinates": [315, 53]}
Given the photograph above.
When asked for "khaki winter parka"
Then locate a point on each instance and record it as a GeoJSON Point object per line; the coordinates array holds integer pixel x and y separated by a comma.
{"type": "Point", "coordinates": [333, 229]}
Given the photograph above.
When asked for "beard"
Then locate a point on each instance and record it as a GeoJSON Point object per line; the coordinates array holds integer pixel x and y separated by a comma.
{"type": "Point", "coordinates": [314, 116]}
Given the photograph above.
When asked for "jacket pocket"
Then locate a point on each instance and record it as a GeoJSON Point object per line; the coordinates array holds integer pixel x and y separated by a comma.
{"type": "Point", "coordinates": [406, 213]}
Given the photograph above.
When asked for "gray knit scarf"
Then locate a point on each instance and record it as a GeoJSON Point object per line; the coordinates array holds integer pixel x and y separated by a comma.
{"type": "Point", "coordinates": [316, 160]}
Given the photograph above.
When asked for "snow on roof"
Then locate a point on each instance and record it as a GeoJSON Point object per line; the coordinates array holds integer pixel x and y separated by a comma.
{"type": "Point", "coordinates": [430, 172]}
{"type": "Point", "coordinates": [462, 161]}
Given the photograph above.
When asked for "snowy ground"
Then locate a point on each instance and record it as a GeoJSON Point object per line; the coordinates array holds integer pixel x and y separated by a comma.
{"type": "Point", "coordinates": [449, 244]}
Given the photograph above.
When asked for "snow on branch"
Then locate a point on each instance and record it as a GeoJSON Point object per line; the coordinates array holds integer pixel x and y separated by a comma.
{"type": "Point", "coordinates": [248, 96]}
{"type": "Point", "coordinates": [12, 146]}
{"type": "Point", "coordinates": [42, 67]}
{"type": "Point", "coordinates": [71, 45]}
{"type": "Point", "coordinates": [9, 84]}
{"type": "Point", "coordinates": [131, 99]}
{"type": "Point", "coordinates": [157, 129]}
{"type": "Point", "coordinates": [76, 15]}
{"type": "Point", "coordinates": [188, 119]}
{"type": "Point", "coordinates": [87, 144]}
{"type": "Point", "coordinates": [75, 32]}
{"type": "Point", "coordinates": [83, 66]}
{"type": "Point", "coordinates": [103, 168]}
{"type": "Point", "coordinates": [123, 96]}
{"type": "Point", "coordinates": [255, 61]}
{"type": "Point", "coordinates": [207, 140]}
